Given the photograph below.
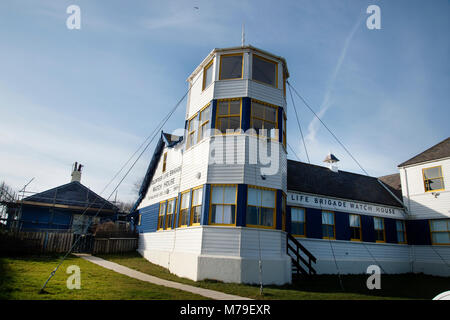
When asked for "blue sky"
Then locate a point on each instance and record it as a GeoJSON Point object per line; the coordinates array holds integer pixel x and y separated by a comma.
{"type": "Point", "coordinates": [93, 95]}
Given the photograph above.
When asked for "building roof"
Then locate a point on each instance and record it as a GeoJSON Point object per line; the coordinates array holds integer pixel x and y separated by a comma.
{"type": "Point", "coordinates": [165, 139]}
{"type": "Point", "coordinates": [392, 181]}
{"type": "Point", "coordinates": [72, 194]}
{"type": "Point", "coordinates": [436, 152]}
{"type": "Point", "coordinates": [308, 178]}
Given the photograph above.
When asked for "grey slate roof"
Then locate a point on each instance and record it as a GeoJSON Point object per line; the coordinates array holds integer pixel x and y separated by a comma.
{"type": "Point", "coordinates": [392, 181]}
{"type": "Point", "coordinates": [303, 177]}
{"type": "Point", "coordinates": [72, 194]}
{"type": "Point", "coordinates": [438, 151]}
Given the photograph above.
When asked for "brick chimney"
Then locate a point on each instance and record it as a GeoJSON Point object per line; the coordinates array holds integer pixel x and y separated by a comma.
{"type": "Point", "coordinates": [76, 172]}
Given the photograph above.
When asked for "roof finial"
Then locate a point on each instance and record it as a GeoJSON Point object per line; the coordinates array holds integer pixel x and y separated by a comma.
{"type": "Point", "coordinates": [243, 35]}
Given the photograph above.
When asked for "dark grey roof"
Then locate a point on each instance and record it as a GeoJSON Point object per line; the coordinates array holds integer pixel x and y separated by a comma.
{"type": "Point", "coordinates": [438, 151]}
{"type": "Point", "coordinates": [393, 183]}
{"type": "Point", "coordinates": [303, 177]}
{"type": "Point", "coordinates": [72, 194]}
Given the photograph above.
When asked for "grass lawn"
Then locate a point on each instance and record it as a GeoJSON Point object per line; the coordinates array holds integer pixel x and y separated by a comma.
{"type": "Point", "coordinates": [407, 286]}
{"type": "Point", "coordinates": [22, 278]}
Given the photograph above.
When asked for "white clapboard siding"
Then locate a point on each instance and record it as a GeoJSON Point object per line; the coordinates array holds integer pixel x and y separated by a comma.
{"type": "Point", "coordinates": [195, 165]}
{"type": "Point", "coordinates": [266, 93]}
{"type": "Point", "coordinates": [421, 204]}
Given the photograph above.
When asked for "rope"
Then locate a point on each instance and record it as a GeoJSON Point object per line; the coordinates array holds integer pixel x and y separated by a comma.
{"type": "Point", "coordinates": [153, 135]}
{"type": "Point", "coordinates": [342, 145]}
{"type": "Point", "coordinates": [298, 123]}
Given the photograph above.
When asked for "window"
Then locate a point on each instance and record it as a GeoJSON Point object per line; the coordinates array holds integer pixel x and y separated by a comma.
{"type": "Point", "coordinates": [261, 207]}
{"type": "Point", "coordinates": [171, 209]}
{"type": "Point", "coordinates": [432, 179]}
{"type": "Point", "coordinates": [162, 213]}
{"type": "Point", "coordinates": [197, 197]}
{"type": "Point", "coordinates": [204, 123]}
{"type": "Point", "coordinates": [139, 219]}
{"type": "Point", "coordinates": [223, 205]}
{"type": "Point", "coordinates": [264, 116]}
{"type": "Point", "coordinates": [440, 231]}
{"type": "Point", "coordinates": [184, 209]}
{"type": "Point", "coordinates": [207, 75]}
{"type": "Point", "coordinates": [328, 225]}
{"type": "Point", "coordinates": [401, 231]}
{"type": "Point", "coordinates": [265, 71]}
{"type": "Point", "coordinates": [298, 221]}
{"type": "Point", "coordinates": [228, 115]}
{"type": "Point", "coordinates": [379, 229]}
{"type": "Point", "coordinates": [192, 128]}
{"type": "Point", "coordinates": [164, 162]}
{"type": "Point", "coordinates": [231, 66]}
{"type": "Point", "coordinates": [284, 130]}
{"type": "Point", "coordinates": [355, 227]}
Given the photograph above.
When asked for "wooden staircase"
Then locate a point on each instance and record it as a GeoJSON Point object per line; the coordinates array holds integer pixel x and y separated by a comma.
{"type": "Point", "coordinates": [302, 259]}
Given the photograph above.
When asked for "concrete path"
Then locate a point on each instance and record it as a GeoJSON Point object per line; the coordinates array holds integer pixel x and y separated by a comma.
{"type": "Point", "coordinates": [212, 294]}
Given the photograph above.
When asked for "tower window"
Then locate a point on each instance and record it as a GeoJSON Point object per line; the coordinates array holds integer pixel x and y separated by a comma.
{"type": "Point", "coordinates": [355, 227]}
{"type": "Point", "coordinates": [184, 209]}
{"type": "Point", "coordinates": [261, 207]}
{"type": "Point", "coordinates": [171, 207]}
{"type": "Point", "coordinates": [231, 66]}
{"type": "Point", "coordinates": [204, 123]}
{"type": "Point", "coordinates": [162, 212]}
{"type": "Point", "coordinates": [433, 179]}
{"type": "Point", "coordinates": [223, 204]}
{"type": "Point", "coordinates": [197, 197]}
{"type": "Point", "coordinates": [207, 75]}
{"type": "Point", "coordinates": [328, 225]}
{"type": "Point", "coordinates": [228, 115]}
{"type": "Point", "coordinates": [264, 119]}
{"type": "Point", "coordinates": [379, 229]}
{"type": "Point", "coordinates": [264, 70]}
{"type": "Point", "coordinates": [298, 221]}
{"type": "Point", "coordinates": [192, 129]}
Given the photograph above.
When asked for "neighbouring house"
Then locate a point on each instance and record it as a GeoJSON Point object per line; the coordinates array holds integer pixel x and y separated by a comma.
{"type": "Point", "coordinates": [62, 208]}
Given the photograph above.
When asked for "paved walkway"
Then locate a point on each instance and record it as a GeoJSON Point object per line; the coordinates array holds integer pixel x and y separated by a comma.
{"type": "Point", "coordinates": [212, 294]}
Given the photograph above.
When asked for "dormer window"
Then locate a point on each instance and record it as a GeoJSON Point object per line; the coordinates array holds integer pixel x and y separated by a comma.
{"type": "Point", "coordinates": [231, 66]}
{"type": "Point", "coordinates": [207, 75]}
{"type": "Point", "coordinates": [265, 71]}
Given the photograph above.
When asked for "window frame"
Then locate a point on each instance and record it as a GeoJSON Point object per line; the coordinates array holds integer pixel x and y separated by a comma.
{"type": "Point", "coordinates": [191, 220]}
{"type": "Point", "coordinates": [276, 70]}
{"type": "Point", "coordinates": [375, 229]}
{"type": "Point", "coordinates": [274, 208]}
{"type": "Point", "coordinates": [174, 213]}
{"type": "Point", "coordinates": [202, 124]}
{"type": "Point", "coordinates": [404, 231]}
{"type": "Point", "coordinates": [304, 222]}
{"type": "Point", "coordinates": [334, 225]}
{"type": "Point", "coordinates": [228, 115]}
{"type": "Point", "coordinates": [431, 232]}
{"type": "Point", "coordinates": [276, 119]}
{"type": "Point", "coordinates": [164, 165]}
{"type": "Point", "coordinates": [211, 204]}
{"type": "Point", "coordinates": [181, 208]}
{"type": "Point", "coordinates": [425, 180]}
{"type": "Point", "coordinates": [191, 132]}
{"type": "Point", "coordinates": [230, 55]}
{"type": "Point", "coordinates": [163, 215]}
{"type": "Point", "coordinates": [139, 219]}
{"type": "Point", "coordinates": [209, 65]}
{"type": "Point", "coordinates": [360, 227]}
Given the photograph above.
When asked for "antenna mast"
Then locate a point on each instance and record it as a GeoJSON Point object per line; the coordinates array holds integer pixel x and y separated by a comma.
{"type": "Point", "coordinates": [243, 35]}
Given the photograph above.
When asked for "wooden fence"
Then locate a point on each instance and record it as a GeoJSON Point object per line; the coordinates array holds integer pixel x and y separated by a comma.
{"type": "Point", "coordinates": [61, 242]}
{"type": "Point", "coordinates": [114, 245]}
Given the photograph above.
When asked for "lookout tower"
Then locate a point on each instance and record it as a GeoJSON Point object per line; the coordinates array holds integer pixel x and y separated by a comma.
{"type": "Point", "coordinates": [213, 202]}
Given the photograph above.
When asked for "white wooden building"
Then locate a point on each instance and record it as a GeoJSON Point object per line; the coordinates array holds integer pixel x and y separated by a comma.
{"type": "Point", "coordinates": [221, 201]}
